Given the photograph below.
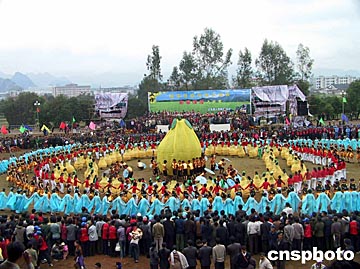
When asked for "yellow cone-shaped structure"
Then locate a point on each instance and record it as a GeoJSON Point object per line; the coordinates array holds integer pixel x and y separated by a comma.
{"type": "Point", "coordinates": [180, 143]}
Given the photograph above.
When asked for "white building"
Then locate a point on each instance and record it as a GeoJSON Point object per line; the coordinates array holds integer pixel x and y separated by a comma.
{"type": "Point", "coordinates": [322, 82]}
{"type": "Point", "coordinates": [125, 89]}
{"type": "Point", "coordinates": [71, 90]}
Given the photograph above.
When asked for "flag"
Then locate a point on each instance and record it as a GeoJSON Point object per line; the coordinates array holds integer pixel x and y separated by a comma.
{"type": "Point", "coordinates": [62, 125]}
{"type": "Point", "coordinates": [28, 127]}
{"type": "Point", "coordinates": [344, 118]}
{"type": "Point", "coordinates": [22, 129]}
{"type": "Point", "coordinates": [344, 100]}
{"type": "Point", "coordinates": [4, 130]}
{"type": "Point", "coordinates": [73, 119]}
{"type": "Point", "coordinates": [92, 126]}
{"type": "Point", "coordinates": [44, 127]}
{"type": "Point", "coordinates": [321, 121]}
{"type": "Point", "coordinates": [287, 121]}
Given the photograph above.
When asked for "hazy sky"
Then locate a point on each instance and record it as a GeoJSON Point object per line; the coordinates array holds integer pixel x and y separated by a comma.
{"type": "Point", "coordinates": [81, 38]}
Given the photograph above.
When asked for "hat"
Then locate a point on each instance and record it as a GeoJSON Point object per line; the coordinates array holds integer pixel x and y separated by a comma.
{"type": "Point", "coordinates": [62, 244]}
{"type": "Point", "coordinates": [319, 260]}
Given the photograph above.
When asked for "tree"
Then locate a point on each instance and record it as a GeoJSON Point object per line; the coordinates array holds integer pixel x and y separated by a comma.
{"type": "Point", "coordinates": [353, 98]}
{"type": "Point", "coordinates": [304, 68]}
{"type": "Point", "coordinates": [188, 70]}
{"type": "Point", "coordinates": [244, 73]}
{"type": "Point", "coordinates": [208, 51]}
{"type": "Point", "coordinates": [153, 64]}
{"type": "Point", "coordinates": [304, 62]}
{"type": "Point", "coordinates": [175, 78]}
{"type": "Point", "coordinates": [274, 66]}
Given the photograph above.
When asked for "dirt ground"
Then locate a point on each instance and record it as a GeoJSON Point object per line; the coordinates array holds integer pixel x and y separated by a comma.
{"type": "Point", "coordinates": [241, 164]}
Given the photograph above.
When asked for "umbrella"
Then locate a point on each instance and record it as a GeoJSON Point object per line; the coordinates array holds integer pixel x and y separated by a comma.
{"type": "Point", "coordinates": [201, 179]}
{"type": "Point", "coordinates": [209, 171]}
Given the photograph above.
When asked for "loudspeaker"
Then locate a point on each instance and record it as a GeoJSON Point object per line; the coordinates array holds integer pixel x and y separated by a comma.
{"type": "Point", "coordinates": [302, 108]}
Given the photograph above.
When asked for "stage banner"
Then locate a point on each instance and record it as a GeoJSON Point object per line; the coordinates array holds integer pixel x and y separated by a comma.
{"type": "Point", "coordinates": [219, 127]}
{"type": "Point", "coordinates": [203, 101]}
{"type": "Point", "coordinates": [111, 106]}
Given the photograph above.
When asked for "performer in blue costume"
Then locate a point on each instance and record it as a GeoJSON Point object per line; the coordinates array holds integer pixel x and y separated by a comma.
{"type": "Point", "coordinates": [55, 202]}
{"type": "Point", "coordinates": [76, 201]}
{"type": "Point", "coordinates": [156, 206]}
{"type": "Point", "coordinates": [308, 204]}
{"type": "Point", "coordinates": [143, 206]}
{"type": "Point", "coordinates": [322, 202]}
{"type": "Point", "coordinates": [32, 200]}
{"type": "Point", "coordinates": [118, 205]}
{"type": "Point", "coordinates": [337, 201]}
{"type": "Point", "coordinates": [172, 203]}
{"type": "Point", "coordinates": [105, 204]}
{"type": "Point", "coordinates": [217, 204]}
{"type": "Point", "coordinates": [131, 206]}
{"type": "Point", "coordinates": [21, 202]}
{"type": "Point", "coordinates": [45, 204]}
{"type": "Point", "coordinates": [3, 200]}
{"type": "Point", "coordinates": [96, 204]}
{"type": "Point", "coordinates": [185, 203]}
{"type": "Point", "coordinates": [294, 200]}
{"type": "Point", "coordinates": [264, 202]}
{"type": "Point", "coordinates": [11, 203]}
{"type": "Point", "coordinates": [195, 204]}
{"type": "Point", "coordinates": [278, 203]}
{"type": "Point", "coordinates": [251, 203]}
{"type": "Point", "coordinates": [238, 201]}
{"type": "Point", "coordinates": [84, 202]}
{"type": "Point", "coordinates": [204, 204]}
{"type": "Point", "coordinates": [229, 206]}
{"type": "Point", "coordinates": [67, 201]}
{"type": "Point", "coordinates": [348, 204]}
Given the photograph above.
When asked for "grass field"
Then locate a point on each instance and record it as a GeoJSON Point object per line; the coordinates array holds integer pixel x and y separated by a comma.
{"type": "Point", "coordinates": [204, 107]}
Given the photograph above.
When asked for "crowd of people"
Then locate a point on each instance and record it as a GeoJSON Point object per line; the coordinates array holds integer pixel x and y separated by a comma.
{"type": "Point", "coordinates": [177, 220]}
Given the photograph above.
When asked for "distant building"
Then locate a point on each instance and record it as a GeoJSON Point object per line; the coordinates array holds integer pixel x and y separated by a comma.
{"type": "Point", "coordinates": [71, 90]}
{"type": "Point", "coordinates": [125, 89]}
{"type": "Point", "coordinates": [323, 82]}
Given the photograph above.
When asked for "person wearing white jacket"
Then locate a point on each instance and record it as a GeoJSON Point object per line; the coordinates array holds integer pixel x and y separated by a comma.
{"type": "Point", "coordinates": [93, 238]}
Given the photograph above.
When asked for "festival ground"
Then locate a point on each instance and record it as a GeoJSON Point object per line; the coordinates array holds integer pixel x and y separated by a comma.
{"type": "Point", "coordinates": [241, 164]}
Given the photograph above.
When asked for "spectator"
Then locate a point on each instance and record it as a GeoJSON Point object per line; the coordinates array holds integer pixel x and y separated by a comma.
{"type": "Point", "coordinates": [15, 251]}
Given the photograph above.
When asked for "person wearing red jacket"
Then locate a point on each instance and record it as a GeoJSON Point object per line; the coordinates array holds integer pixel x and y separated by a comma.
{"type": "Point", "coordinates": [84, 239]}
{"type": "Point", "coordinates": [105, 237]}
{"type": "Point", "coordinates": [112, 238]}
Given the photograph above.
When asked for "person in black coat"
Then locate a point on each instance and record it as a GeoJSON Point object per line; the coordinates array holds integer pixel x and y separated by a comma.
{"type": "Point", "coordinates": [169, 229]}
{"type": "Point", "coordinates": [243, 260]}
{"type": "Point", "coordinates": [190, 252]}
{"type": "Point", "coordinates": [281, 244]}
{"type": "Point", "coordinates": [204, 255]}
{"type": "Point", "coordinates": [222, 233]}
{"type": "Point", "coordinates": [265, 231]}
{"type": "Point", "coordinates": [154, 256]}
{"type": "Point", "coordinates": [233, 250]}
{"type": "Point", "coordinates": [240, 231]}
{"type": "Point", "coordinates": [164, 255]}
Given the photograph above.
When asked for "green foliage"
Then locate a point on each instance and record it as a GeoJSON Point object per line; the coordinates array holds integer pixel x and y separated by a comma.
{"type": "Point", "coordinates": [208, 51]}
{"type": "Point", "coordinates": [136, 107]}
{"type": "Point", "coordinates": [304, 62]}
{"type": "Point", "coordinates": [153, 64]}
{"type": "Point", "coordinates": [244, 73]}
{"type": "Point", "coordinates": [188, 71]}
{"type": "Point", "coordinates": [274, 66]}
{"type": "Point", "coordinates": [353, 98]}
{"type": "Point", "coordinates": [53, 110]}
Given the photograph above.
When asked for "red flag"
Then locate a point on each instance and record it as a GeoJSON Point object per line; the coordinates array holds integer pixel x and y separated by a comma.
{"type": "Point", "coordinates": [4, 130]}
{"type": "Point", "coordinates": [62, 125]}
{"type": "Point", "coordinates": [287, 121]}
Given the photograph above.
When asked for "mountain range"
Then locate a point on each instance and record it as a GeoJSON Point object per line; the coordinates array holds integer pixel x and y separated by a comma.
{"type": "Point", "coordinates": [20, 81]}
